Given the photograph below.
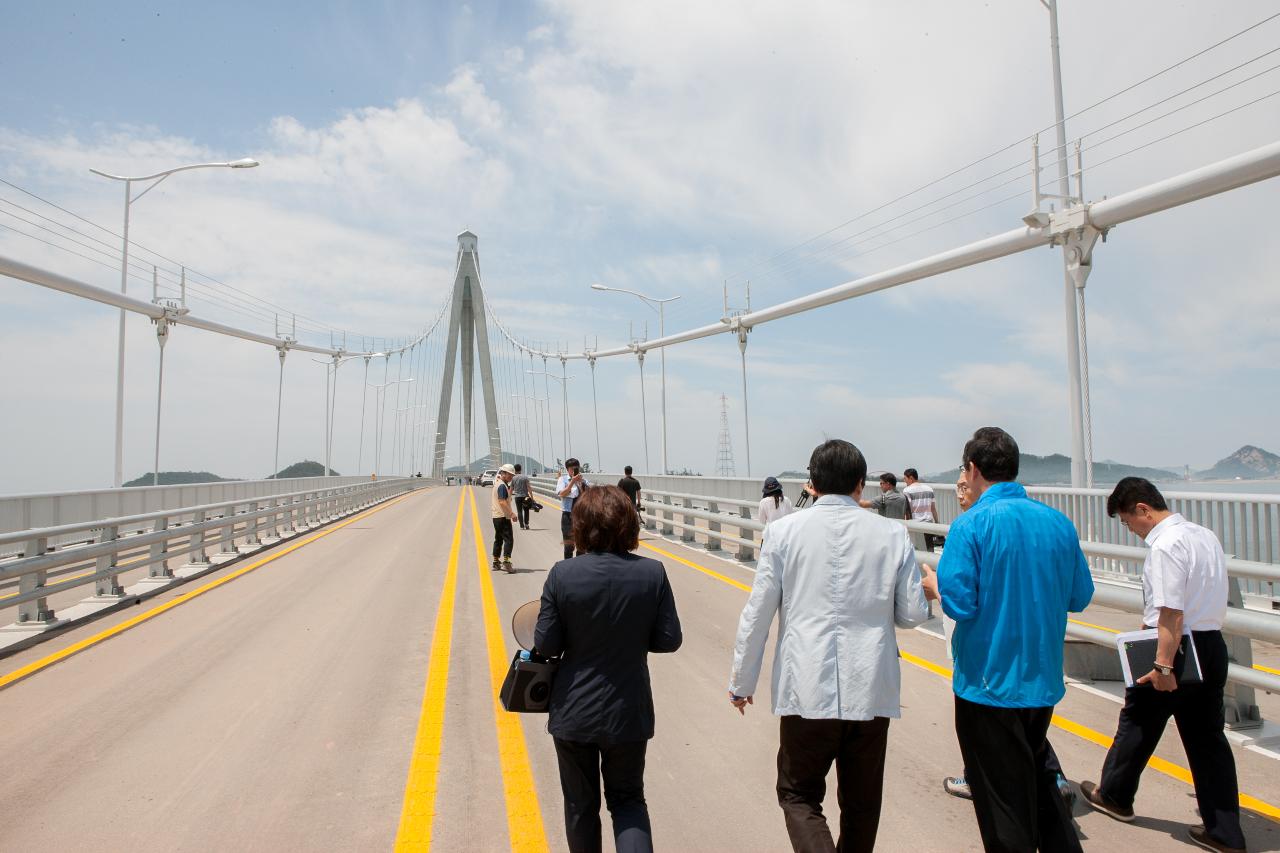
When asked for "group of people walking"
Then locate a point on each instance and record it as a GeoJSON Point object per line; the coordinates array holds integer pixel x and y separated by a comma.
{"type": "Point", "coordinates": [838, 580]}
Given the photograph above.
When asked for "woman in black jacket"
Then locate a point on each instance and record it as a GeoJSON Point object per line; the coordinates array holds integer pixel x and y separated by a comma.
{"type": "Point", "coordinates": [604, 611]}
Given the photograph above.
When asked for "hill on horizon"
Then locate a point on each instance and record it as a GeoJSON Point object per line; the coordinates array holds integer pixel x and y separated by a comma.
{"type": "Point", "coordinates": [177, 478]}
{"type": "Point", "coordinates": [305, 468]}
{"type": "Point", "coordinates": [1247, 463]}
{"type": "Point", "coordinates": [486, 462]}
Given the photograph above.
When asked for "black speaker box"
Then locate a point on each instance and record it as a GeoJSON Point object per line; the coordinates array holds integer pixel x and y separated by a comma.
{"type": "Point", "coordinates": [527, 687]}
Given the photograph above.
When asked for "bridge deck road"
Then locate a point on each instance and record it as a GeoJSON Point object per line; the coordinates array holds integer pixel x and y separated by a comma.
{"type": "Point", "coordinates": [302, 705]}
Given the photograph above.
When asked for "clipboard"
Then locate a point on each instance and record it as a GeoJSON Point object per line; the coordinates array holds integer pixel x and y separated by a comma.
{"type": "Point", "coordinates": [1138, 656]}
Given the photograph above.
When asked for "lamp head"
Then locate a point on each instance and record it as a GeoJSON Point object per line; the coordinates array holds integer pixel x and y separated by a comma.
{"type": "Point", "coordinates": [598, 286]}
{"type": "Point", "coordinates": [1036, 219]}
{"type": "Point", "coordinates": [244, 163]}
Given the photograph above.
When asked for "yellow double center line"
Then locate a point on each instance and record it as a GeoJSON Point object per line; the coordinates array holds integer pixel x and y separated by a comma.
{"type": "Point", "coordinates": [524, 817]}
{"type": "Point", "coordinates": [419, 809]}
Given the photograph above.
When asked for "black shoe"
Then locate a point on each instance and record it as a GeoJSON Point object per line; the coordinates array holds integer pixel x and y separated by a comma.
{"type": "Point", "coordinates": [496, 565]}
{"type": "Point", "coordinates": [1094, 797]}
{"type": "Point", "coordinates": [1199, 835]}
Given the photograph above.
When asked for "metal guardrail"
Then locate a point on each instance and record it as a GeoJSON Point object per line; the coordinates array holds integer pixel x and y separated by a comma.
{"type": "Point", "coordinates": [52, 509]}
{"type": "Point", "coordinates": [1248, 525]}
{"type": "Point", "coordinates": [668, 511]}
{"type": "Point", "coordinates": [257, 522]}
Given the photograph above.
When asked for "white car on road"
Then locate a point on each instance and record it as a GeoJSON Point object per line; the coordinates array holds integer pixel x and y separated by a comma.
{"type": "Point", "coordinates": [487, 478]}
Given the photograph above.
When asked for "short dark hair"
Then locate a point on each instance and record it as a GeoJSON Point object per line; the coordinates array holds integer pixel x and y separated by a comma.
{"type": "Point", "coordinates": [627, 470]}
{"type": "Point", "coordinates": [1132, 491]}
{"type": "Point", "coordinates": [605, 520]}
{"type": "Point", "coordinates": [994, 453]}
{"type": "Point", "coordinates": [886, 477]}
{"type": "Point", "coordinates": [572, 463]}
{"type": "Point", "coordinates": [836, 467]}
{"type": "Point", "coordinates": [912, 473]}
{"type": "Point", "coordinates": [518, 468]}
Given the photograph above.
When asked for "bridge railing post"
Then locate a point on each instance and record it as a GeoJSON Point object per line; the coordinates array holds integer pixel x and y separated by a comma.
{"type": "Point", "coordinates": [252, 539]}
{"type": "Point", "coordinates": [746, 552]}
{"type": "Point", "coordinates": [159, 567]}
{"type": "Point", "coordinates": [36, 611]}
{"type": "Point", "coordinates": [228, 537]}
{"type": "Point", "coordinates": [108, 565]}
{"type": "Point", "coordinates": [298, 523]}
{"type": "Point", "coordinates": [687, 534]}
{"type": "Point", "coordinates": [1239, 703]}
{"type": "Point", "coordinates": [667, 516]}
{"type": "Point", "coordinates": [198, 557]}
{"type": "Point", "coordinates": [713, 527]}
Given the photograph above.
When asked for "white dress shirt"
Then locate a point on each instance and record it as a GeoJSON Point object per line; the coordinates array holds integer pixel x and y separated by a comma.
{"type": "Point", "coordinates": [1186, 570]}
{"type": "Point", "coordinates": [840, 579]}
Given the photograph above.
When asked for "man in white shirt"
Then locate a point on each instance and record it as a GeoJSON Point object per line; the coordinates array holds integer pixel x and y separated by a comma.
{"type": "Point", "coordinates": [569, 486]}
{"type": "Point", "coordinates": [924, 506]}
{"type": "Point", "coordinates": [839, 579]}
{"type": "Point", "coordinates": [1184, 586]}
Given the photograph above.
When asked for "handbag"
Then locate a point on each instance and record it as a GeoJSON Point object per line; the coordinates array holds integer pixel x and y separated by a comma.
{"type": "Point", "coordinates": [527, 687]}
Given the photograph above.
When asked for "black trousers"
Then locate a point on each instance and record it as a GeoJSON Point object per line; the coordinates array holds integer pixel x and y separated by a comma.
{"type": "Point", "coordinates": [566, 533]}
{"type": "Point", "coordinates": [1197, 708]}
{"type": "Point", "coordinates": [1015, 791]}
{"type": "Point", "coordinates": [522, 509]}
{"type": "Point", "coordinates": [503, 538]}
{"type": "Point", "coordinates": [622, 766]}
{"type": "Point", "coordinates": [806, 749]}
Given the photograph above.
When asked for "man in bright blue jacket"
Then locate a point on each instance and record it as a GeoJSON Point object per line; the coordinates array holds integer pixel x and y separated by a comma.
{"type": "Point", "coordinates": [1010, 572]}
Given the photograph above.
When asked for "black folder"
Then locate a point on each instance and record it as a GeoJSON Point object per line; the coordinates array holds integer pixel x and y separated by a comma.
{"type": "Point", "coordinates": [1138, 657]}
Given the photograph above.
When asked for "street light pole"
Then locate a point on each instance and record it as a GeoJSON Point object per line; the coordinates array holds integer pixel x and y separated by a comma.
{"type": "Point", "coordinates": [1081, 468]}
{"type": "Point", "coordinates": [662, 355]}
{"type": "Point", "coordinates": [129, 199]}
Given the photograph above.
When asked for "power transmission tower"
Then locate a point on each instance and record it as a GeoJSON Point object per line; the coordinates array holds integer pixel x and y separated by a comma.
{"type": "Point", "coordinates": [724, 452]}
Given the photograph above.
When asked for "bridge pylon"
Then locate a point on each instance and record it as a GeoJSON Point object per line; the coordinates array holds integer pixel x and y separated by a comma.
{"type": "Point", "coordinates": [468, 335]}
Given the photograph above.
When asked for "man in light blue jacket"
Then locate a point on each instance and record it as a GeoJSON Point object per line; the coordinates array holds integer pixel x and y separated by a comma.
{"type": "Point", "coordinates": [840, 578]}
{"type": "Point", "coordinates": [1011, 570]}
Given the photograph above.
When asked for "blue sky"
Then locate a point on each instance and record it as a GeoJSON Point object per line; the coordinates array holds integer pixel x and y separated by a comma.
{"type": "Point", "coordinates": [660, 147]}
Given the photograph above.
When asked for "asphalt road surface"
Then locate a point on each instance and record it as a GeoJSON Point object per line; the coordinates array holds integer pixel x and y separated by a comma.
{"type": "Point", "coordinates": [341, 697]}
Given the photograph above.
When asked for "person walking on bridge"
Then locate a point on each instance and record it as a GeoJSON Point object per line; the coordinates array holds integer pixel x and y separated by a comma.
{"type": "Point", "coordinates": [773, 503]}
{"type": "Point", "coordinates": [604, 612]}
{"type": "Point", "coordinates": [839, 579]}
{"type": "Point", "coordinates": [522, 495]}
{"type": "Point", "coordinates": [890, 502]}
{"type": "Point", "coordinates": [1184, 587]}
{"type": "Point", "coordinates": [924, 507]}
{"type": "Point", "coordinates": [503, 515]}
{"type": "Point", "coordinates": [569, 487]}
{"type": "Point", "coordinates": [1011, 570]}
{"type": "Point", "coordinates": [631, 486]}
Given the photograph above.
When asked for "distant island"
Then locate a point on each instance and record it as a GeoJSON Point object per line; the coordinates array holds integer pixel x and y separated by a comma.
{"type": "Point", "coordinates": [177, 478]}
{"type": "Point", "coordinates": [306, 468]}
{"type": "Point", "coordinates": [1247, 463]}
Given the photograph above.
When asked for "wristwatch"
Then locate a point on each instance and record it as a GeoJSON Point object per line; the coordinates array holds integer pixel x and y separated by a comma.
{"type": "Point", "coordinates": [1162, 669]}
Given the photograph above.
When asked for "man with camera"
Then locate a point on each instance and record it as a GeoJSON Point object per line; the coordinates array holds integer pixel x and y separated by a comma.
{"type": "Point", "coordinates": [569, 487]}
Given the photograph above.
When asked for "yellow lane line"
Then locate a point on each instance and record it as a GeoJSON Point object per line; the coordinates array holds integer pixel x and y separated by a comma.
{"type": "Point", "coordinates": [1156, 763]}
{"type": "Point", "coordinates": [419, 809]}
{"type": "Point", "coordinates": [147, 615]}
{"type": "Point", "coordinates": [709, 572]}
{"type": "Point", "coordinates": [524, 816]}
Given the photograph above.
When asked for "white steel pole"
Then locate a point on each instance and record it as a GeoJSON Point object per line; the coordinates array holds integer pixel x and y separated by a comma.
{"type": "Point", "coordinates": [662, 333]}
{"type": "Point", "coordinates": [595, 411]}
{"type": "Point", "coordinates": [325, 472]}
{"type": "Point", "coordinates": [124, 289]}
{"type": "Point", "coordinates": [275, 464]}
{"type": "Point", "coordinates": [162, 337]}
{"type": "Point", "coordinates": [746, 419]}
{"type": "Point", "coordinates": [364, 398]}
{"type": "Point", "coordinates": [1070, 314]}
{"type": "Point", "coordinates": [644, 414]}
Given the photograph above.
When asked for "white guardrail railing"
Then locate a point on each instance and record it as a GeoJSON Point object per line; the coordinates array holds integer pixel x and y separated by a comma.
{"type": "Point", "coordinates": [701, 517]}
{"type": "Point", "coordinates": [43, 561]}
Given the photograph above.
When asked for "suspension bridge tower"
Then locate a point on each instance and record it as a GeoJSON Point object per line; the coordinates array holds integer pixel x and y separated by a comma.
{"type": "Point", "coordinates": [468, 335]}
